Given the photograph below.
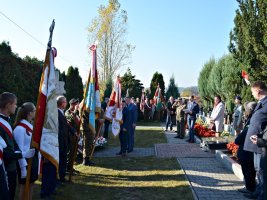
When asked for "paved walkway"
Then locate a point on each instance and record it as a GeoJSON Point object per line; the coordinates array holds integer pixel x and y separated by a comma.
{"type": "Point", "coordinates": [208, 178]}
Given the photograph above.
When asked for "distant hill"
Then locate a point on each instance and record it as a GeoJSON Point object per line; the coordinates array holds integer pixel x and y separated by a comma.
{"type": "Point", "coordinates": [193, 89]}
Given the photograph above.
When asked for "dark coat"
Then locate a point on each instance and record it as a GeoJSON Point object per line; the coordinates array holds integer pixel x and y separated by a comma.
{"type": "Point", "coordinates": [126, 124]}
{"type": "Point", "coordinates": [63, 129]}
{"type": "Point", "coordinates": [240, 140]}
{"type": "Point", "coordinates": [195, 110]}
{"type": "Point", "coordinates": [132, 113]}
{"type": "Point", "coordinates": [258, 124]}
{"type": "Point", "coordinates": [9, 155]}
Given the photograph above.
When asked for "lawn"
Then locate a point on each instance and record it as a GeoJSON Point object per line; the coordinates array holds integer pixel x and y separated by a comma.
{"type": "Point", "coordinates": [130, 178]}
{"type": "Point", "coordinates": [144, 137]}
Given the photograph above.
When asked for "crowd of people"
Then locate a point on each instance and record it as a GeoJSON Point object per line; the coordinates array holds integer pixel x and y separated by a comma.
{"type": "Point", "coordinates": [15, 146]}
{"type": "Point", "coordinates": [15, 139]}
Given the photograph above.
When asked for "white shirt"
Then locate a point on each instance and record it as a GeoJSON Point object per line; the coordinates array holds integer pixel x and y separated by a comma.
{"type": "Point", "coordinates": [23, 139]}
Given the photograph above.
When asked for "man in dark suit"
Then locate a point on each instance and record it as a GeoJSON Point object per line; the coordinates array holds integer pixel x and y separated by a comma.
{"type": "Point", "coordinates": [132, 120]}
{"type": "Point", "coordinates": [257, 126]}
{"type": "Point", "coordinates": [124, 131]}
{"type": "Point", "coordinates": [193, 109]}
{"type": "Point", "coordinates": [63, 133]}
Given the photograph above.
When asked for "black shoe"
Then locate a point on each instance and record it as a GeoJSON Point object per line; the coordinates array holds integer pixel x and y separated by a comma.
{"type": "Point", "coordinates": [119, 153]}
{"type": "Point", "coordinates": [123, 155]}
{"type": "Point", "coordinates": [129, 151]}
{"type": "Point", "coordinates": [44, 196]}
{"type": "Point", "coordinates": [243, 190]}
{"type": "Point", "coordinates": [250, 195]}
{"type": "Point", "coordinates": [88, 162]}
{"type": "Point", "coordinates": [177, 136]}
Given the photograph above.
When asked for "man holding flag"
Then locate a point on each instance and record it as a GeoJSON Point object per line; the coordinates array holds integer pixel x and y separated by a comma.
{"type": "Point", "coordinates": [90, 106]}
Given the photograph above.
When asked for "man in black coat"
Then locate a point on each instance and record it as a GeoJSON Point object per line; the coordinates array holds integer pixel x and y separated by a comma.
{"type": "Point", "coordinates": [246, 157]}
{"type": "Point", "coordinates": [258, 124]}
{"type": "Point", "coordinates": [63, 133]}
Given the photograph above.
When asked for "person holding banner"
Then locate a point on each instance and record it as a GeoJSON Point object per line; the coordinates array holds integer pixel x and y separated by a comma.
{"type": "Point", "coordinates": [124, 130]}
{"type": "Point", "coordinates": [3, 179]}
{"type": "Point", "coordinates": [88, 139]}
{"type": "Point", "coordinates": [8, 105]}
{"type": "Point", "coordinates": [132, 120]}
{"type": "Point", "coordinates": [23, 135]}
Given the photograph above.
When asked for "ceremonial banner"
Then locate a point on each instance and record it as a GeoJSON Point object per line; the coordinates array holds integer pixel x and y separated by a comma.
{"type": "Point", "coordinates": [158, 98]}
{"type": "Point", "coordinates": [142, 102]}
{"type": "Point", "coordinates": [92, 100]}
{"type": "Point", "coordinates": [45, 130]}
{"type": "Point", "coordinates": [245, 77]}
{"type": "Point", "coordinates": [114, 110]}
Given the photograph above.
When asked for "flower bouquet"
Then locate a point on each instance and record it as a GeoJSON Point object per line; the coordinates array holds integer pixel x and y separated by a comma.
{"type": "Point", "coordinates": [203, 131]}
{"type": "Point", "coordinates": [101, 141]}
{"type": "Point", "coordinates": [233, 148]}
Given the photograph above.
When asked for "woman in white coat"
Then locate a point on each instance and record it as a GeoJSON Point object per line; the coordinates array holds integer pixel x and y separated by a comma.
{"type": "Point", "coordinates": [217, 114]}
{"type": "Point", "coordinates": [23, 134]}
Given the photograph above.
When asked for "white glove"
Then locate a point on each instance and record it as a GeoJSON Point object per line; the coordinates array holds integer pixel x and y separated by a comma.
{"type": "Point", "coordinates": [28, 154]}
{"type": "Point", "coordinates": [23, 172]}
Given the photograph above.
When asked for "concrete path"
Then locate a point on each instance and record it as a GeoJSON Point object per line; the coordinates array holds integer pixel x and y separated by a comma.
{"type": "Point", "coordinates": [208, 178]}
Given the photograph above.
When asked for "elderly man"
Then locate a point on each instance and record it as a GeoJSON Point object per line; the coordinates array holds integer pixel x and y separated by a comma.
{"type": "Point", "coordinates": [63, 134]}
{"type": "Point", "coordinates": [258, 124]}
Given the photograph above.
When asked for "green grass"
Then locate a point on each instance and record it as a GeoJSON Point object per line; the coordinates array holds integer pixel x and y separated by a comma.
{"type": "Point", "coordinates": [144, 137]}
{"type": "Point", "coordinates": [149, 123]}
{"type": "Point", "coordinates": [129, 178]}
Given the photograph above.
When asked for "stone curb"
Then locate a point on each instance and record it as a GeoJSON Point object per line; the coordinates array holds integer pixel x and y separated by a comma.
{"type": "Point", "coordinates": [229, 163]}
{"type": "Point", "coordinates": [187, 180]}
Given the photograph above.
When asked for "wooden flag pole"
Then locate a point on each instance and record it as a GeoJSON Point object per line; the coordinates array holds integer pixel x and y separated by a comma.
{"type": "Point", "coordinates": [101, 121]}
{"type": "Point", "coordinates": [26, 195]}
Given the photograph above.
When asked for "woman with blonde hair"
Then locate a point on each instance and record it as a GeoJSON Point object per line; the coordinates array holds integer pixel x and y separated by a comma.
{"type": "Point", "coordinates": [23, 135]}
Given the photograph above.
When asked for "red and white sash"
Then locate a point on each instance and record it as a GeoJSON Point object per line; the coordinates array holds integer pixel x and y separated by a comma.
{"type": "Point", "coordinates": [6, 126]}
{"type": "Point", "coordinates": [28, 129]}
{"type": "Point", "coordinates": [2, 146]}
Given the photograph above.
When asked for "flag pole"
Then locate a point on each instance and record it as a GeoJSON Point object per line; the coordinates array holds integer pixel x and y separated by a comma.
{"type": "Point", "coordinates": [101, 121]}
{"type": "Point", "coordinates": [29, 163]}
{"type": "Point", "coordinates": [73, 157]}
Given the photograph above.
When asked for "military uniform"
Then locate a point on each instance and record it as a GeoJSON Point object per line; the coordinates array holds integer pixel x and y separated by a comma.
{"type": "Point", "coordinates": [73, 120]}
{"type": "Point", "coordinates": [88, 138]}
{"type": "Point", "coordinates": [180, 120]}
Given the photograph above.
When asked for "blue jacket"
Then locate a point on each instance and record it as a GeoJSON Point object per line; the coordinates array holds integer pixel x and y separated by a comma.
{"type": "Point", "coordinates": [133, 113]}
{"type": "Point", "coordinates": [240, 140]}
{"type": "Point", "coordinates": [258, 123]}
{"type": "Point", "coordinates": [126, 119]}
{"type": "Point", "coordinates": [195, 110]}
